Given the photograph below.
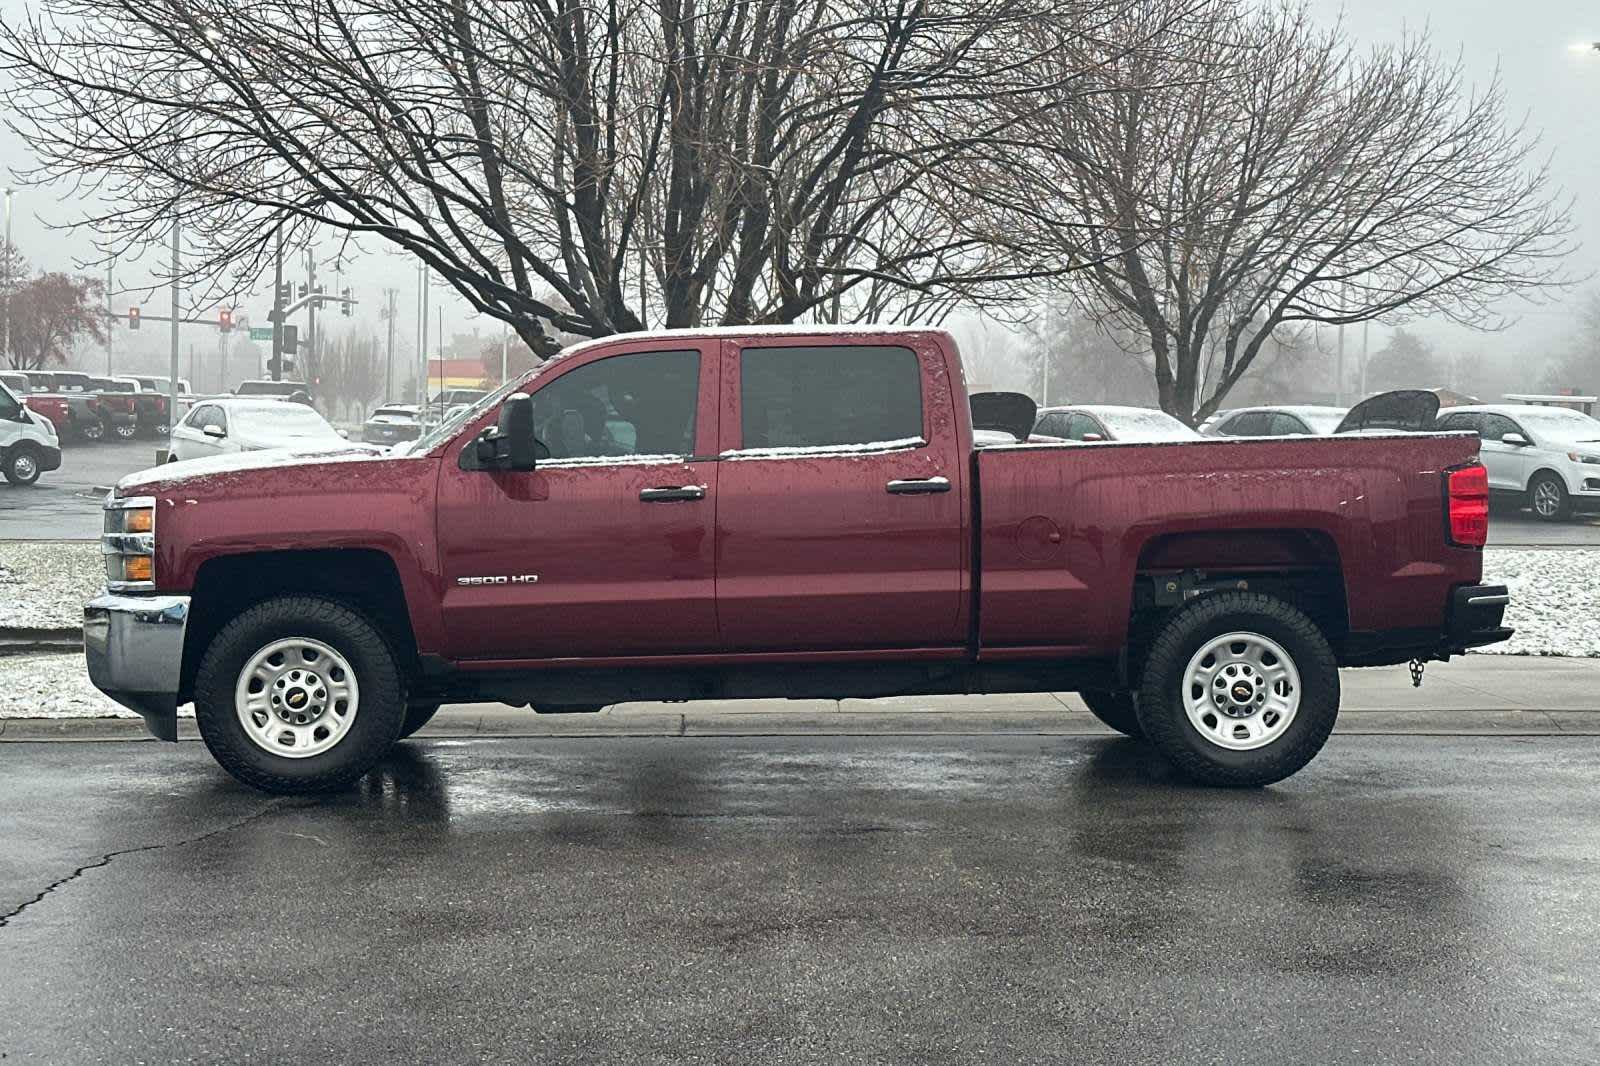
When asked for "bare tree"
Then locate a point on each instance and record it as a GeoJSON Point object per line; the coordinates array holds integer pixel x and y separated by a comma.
{"type": "Point", "coordinates": [49, 315]}
{"type": "Point", "coordinates": [1268, 175]}
{"type": "Point", "coordinates": [668, 164]}
{"type": "Point", "coordinates": [349, 371]}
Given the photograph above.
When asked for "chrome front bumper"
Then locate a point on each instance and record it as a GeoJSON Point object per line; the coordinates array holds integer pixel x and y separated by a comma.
{"type": "Point", "coordinates": [134, 645]}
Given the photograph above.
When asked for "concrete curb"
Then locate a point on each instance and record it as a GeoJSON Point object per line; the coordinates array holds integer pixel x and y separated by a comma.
{"type": "Point", "coordinates": [470, 722]}
{"type": "Point", "coordinates": [26, 640]}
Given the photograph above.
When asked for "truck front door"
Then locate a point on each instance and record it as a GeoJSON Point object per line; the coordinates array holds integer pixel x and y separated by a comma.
{"type": "Point", "coordinates": [605, 549]}
{"type": "Point", "coordinates": [841, 521]}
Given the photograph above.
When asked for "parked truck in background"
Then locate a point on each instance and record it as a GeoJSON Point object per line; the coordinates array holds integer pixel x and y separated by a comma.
{"type": "Point", "coordinates": [788, 512]}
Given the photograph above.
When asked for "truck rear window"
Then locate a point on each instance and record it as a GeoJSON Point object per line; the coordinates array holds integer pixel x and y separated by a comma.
{"type": "Point", "coordinates": [829, 396]}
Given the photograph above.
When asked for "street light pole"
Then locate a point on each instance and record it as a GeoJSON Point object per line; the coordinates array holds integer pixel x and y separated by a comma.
{"type": "Point", "coordinates": [172, 379]}
{"type": "Point", "coordinates": [276, 365]}
{"type": "Point", "coordinates": [110, 320]}
{"type": "Point", "coordinates": [5, 344]}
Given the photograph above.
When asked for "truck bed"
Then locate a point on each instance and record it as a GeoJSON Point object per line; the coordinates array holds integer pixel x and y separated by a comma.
{"type": "Point", "coordinates": [1064, 529]}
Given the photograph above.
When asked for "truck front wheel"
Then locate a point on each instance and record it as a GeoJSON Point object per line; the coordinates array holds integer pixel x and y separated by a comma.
{"type": "Point", "coordinates": [1114, 707]}
{"type": "Point", "coordinates": [299, 694]}
{"type": "Point", "coordinates": [1239, 689]}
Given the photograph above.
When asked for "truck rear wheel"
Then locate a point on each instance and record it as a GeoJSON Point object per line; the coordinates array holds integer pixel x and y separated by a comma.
{"type": "Point", "coordinates": [1239, 689]}
{"type": "Point", "coordinates": [1115, 708]}
{"type": "Point", "coordinates": [299, 694]}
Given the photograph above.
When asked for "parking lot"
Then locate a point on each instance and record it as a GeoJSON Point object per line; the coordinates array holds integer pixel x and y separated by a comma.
{"type": "Point", "coordinates": [63, 504]}
{"type": "Point", "coordinates": [802, 899]}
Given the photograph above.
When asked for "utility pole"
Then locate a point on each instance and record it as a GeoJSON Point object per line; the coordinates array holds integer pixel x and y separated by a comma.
{"type": "Point", "coordinates": [172, 379]}
{"type": "Point", "coordinates": [6, 342]}
{"type": "Point", "coordinates": [1366, 331]}
{"type": "Point", "coordinates": [505, 338]}
{"type": "Point", "coordinates": [390, 296]}
{"type": "Point", "coordinates": [422, 349]}
{"type": "Point", "coordinates": [276, 363]}
{"type": "Point", "coordinates": [1338, 384]}
{"type": "Point", "coordinates": [311, 325]}
{"type": "Point", "coordinates": [111, 322]}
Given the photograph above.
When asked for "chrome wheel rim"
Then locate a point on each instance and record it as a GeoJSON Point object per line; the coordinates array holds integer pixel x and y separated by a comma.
{"type": "Point", "coordinates": [296, 698]}
{"type": "Point", "coordinates": [1241, 691]}
{"type": "Point", "coordinates": [24, 467]}
{"type": "Point", "coordinates": [125, 432]}
{"type": "Point", "coordinates": [1546, 498]}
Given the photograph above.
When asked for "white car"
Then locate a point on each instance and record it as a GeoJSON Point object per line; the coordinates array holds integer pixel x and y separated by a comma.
{"type": "Point", "coordinates": [1297, 420]}
{"type": "Point", "coordinates": [1547, 456]}
{"type": "Point", "coordinates": [229, 425]}
{"type": "Point", "coordinates": [1096, 422]}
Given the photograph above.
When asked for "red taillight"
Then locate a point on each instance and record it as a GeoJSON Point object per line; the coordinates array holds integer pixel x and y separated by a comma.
{"type": "Point", "coordinates": [1467, 500]}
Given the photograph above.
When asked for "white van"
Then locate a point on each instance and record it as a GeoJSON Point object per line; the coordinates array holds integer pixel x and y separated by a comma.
{"type": "Point", "coordinates": [28, 444]}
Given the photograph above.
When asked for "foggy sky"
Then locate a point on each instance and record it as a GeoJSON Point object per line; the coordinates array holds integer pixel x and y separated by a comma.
{"type": "Point", "coordinates": [1557, 88]}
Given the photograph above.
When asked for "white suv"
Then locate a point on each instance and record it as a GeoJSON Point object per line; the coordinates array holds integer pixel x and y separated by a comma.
{"type": "Point", "coordinates": [1550, 456]}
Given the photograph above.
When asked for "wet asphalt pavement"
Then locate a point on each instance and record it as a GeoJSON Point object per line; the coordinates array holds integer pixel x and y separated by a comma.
{"type": "Point", "coordinates": [915, 900]}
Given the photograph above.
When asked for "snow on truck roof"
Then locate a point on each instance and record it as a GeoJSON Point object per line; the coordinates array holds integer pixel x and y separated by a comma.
{"type": "Point", "coordinates": [814, 329]}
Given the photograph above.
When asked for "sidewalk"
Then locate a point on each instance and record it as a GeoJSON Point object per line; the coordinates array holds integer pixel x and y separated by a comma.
{"type": "Point", "coordinates": [1472, 695]}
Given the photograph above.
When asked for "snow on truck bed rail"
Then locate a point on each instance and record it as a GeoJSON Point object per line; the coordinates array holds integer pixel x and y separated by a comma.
{"type": "Point", "coordinates": [822, 450]}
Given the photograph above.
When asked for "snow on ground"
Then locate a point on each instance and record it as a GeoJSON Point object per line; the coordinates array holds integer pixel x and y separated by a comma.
{"type": "Point", "coordinates": [1555, 599]}
{"type": "Point", "coordinates": [44, 584]}
{"type": "Point", "coordinates": [51, 686]}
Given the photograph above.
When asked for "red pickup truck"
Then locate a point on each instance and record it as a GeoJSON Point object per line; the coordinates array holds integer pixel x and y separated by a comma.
{"type": "Point", "coordinates": [780, 512]}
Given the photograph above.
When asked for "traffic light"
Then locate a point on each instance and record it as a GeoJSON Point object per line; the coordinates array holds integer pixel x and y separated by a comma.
{"type": "Point", "coordinates": [291, 339]}
{"type": "Point", "coordinates": [303, 290]}
{"type": "Point", "coordinates": [317, 292]}
{"type": "Point", "coordinates": [133, 318]}
{"type": "Point", "coordinates": [344, 305]}
{"type": "Point", "coordinates": [225, 320]}
{"type": "Point", "coordinates": [286, 293]}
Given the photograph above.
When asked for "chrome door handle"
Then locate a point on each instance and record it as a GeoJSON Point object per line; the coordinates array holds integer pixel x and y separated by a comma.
{"type": "Point", "coordinates": [916, 486]}
{"type": "Point", "coordinates": [667, 495]}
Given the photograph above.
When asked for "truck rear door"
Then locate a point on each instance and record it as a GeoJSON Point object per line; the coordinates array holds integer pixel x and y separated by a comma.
{"type": "Point", "coordinates": [841, 511]}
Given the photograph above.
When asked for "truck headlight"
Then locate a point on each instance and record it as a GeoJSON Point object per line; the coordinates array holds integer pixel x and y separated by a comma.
{"type": "Point", "coordinates": [129, 543]}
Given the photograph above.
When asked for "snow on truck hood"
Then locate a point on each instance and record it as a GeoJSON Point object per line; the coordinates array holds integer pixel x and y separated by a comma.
{"type": "Point", "coordinates": [244, 462]}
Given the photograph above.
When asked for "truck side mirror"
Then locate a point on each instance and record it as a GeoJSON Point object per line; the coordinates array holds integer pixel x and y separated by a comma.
{"type": "Point", "coordinates": [509, 445]}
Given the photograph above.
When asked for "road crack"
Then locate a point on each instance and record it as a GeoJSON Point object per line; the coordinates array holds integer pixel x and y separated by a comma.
{"type": "Point", "coordinates": [106, 859]}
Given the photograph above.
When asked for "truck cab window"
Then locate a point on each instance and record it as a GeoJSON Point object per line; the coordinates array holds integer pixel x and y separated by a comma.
{"type": "Point", "coordinates": [638, 404]}
{"type": "Point", "coordinates": [829, 396]}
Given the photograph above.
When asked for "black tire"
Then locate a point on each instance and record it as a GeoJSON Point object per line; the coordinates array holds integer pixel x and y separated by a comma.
{"type": "Point", "coordinates": [1546, 491]}
{"type": "Point", "coordinates": [1115, 708]}
{"type": "Point", "coordinates": [22, 465]}
{"type": "Point", "coordinates": [1163, 685]}
{"type": "Point", "coordinates": [417, 716]}
{"type": "Point", "coordinates": [380, 706]}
